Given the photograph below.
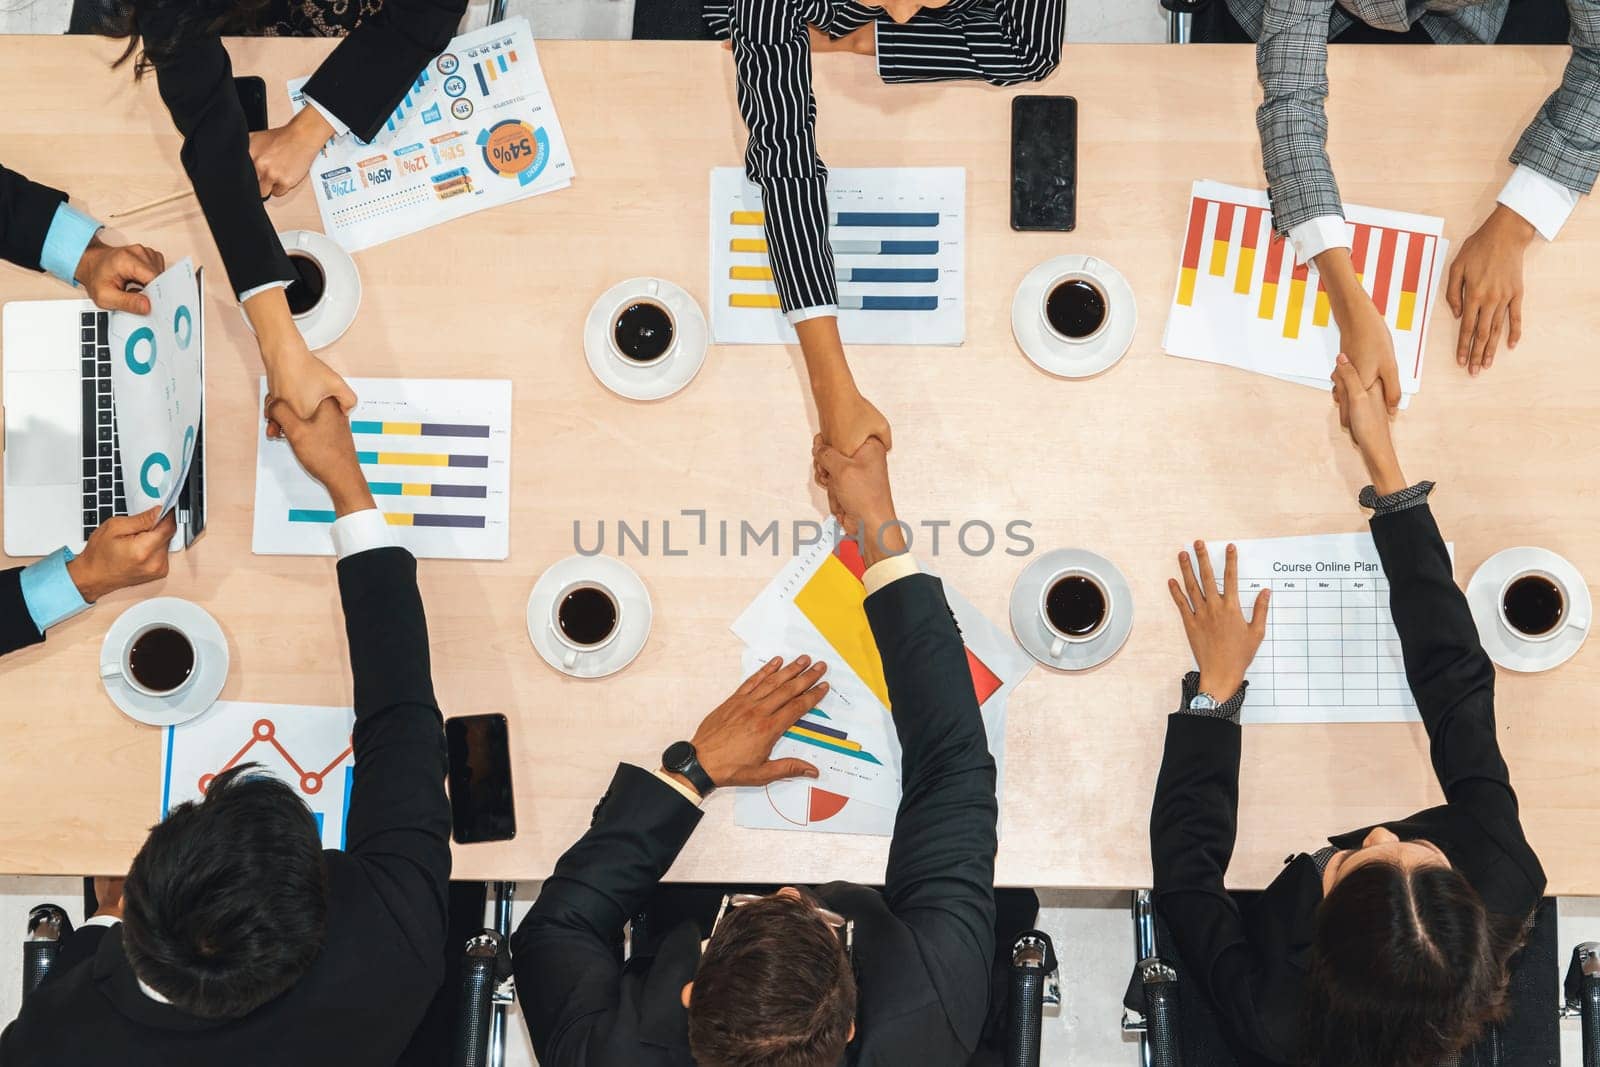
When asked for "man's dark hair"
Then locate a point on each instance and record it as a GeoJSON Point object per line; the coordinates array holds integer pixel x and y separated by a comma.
{"type": "Point", "coordinates": [183, 22]}
{"type": "Point", "coordinates": [1407, 968]}
{"type": "Point", "coordinates": [774, 989]}
{"type": "Point", "coordinates": [226, 905]}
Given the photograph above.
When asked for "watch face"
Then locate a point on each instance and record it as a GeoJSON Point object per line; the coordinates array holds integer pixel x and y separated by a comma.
{"type": "Point", "coordinates": [679, 755]}
{"type": "Point", "coordinates": [1203, 702]}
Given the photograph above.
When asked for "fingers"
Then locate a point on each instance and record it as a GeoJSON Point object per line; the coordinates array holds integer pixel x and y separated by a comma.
{"type": "Point", "coordinates": [1258, 614]}
{"type": "Point", "coordinates": [144, 521]}
{"type": "Point", "coordinates": [345, 396]}
{"type": "Point", "coordinates": [1514, 313]}
{"type": "Point", "coordinates": [1184, 608]}
{"type": "Point", "coordinates": [1208, 577]}
{"type": "Point", "coordinates": [1190, 586]}
{"type": "Point", "coordinates": [1230, 573]}
{"type": "Point", "coordinates": [779, 769]}
{"type": "Point", "coordinates": [1454, 293]}
{"type": "Point", "coordinates": [776, 679]}
{"type": "Point", "coordinates": [132, 266]}
{"type": "Point", "coordinates": [797, 695]}
{"type": "Point", "coordinates": [830, 459]}
{"type": "Point", "coordinates": [112, 298]}
{"type": "Point", "coordinates": [1390, 376]}
{"type": "Point", "coordinates": [1469, 325]}
{"type": "Point", "coordinates": [1492, 341]}
{"type": "Point", "coordinates": [763, 672]}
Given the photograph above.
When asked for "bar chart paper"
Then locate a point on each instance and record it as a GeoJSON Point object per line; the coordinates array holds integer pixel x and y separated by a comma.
{"type": "Point", "coordinates": [437, 457]}
{"type": "Point", "coordinates": [1332, 653]}
{"type": "Point", "coordinates": [899, 250]}
{"type": "Point", "coordinates": [1242, 300]}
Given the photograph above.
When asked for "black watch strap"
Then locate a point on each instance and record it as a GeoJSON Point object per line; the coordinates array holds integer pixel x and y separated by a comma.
{"type": "Point", "coordinates": [681, 758]}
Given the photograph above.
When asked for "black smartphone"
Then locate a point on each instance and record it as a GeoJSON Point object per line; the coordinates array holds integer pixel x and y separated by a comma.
{"type": "Point", "coordinates": [253, 98]}
{"type": "Point", "coordinates": [482, 804]}
{"type": "Point", "coordinates": [1044, 163]}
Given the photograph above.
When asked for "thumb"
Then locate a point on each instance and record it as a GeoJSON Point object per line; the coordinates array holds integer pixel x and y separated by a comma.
{"type": "Point", "coordinates": [774, 770]}
{"type": "Point", "coordinates": [118, 300]}
{"type": "Point", "coordinates": [1391, 390]}
{"type": "Point", "coordinates": [346, 397]}
{"type": "Point", "coordinates": [143, 522]}
{"type": "Point", "coordinates": [831, 460]}
{"type": "Point", "coordinates": [1258, 615]}
{"type": "Point", "coordinates": [1347, 377]}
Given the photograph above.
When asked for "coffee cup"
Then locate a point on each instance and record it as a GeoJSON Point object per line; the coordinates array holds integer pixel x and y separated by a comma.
{"type": "Point", "coordinates": [585, 617]}
{"type": "Point", "coordinates": [642, 330]}
{"type": "Point", "coordinates": [1535, 605]}
{"type": "Point", "coordinates": [1075, 606]}
{"type": "Point", "coordinates": [1075, 307]}
{"type": "Point", "coordinates": [158, 660]}
{"type": "Point", "coordinates": [310, 287]}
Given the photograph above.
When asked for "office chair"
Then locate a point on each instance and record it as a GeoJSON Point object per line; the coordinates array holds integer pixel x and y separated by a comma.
{"type": "Point", "coordinates": [1181, 1031]}
{"type": "Point", "coordinates": [1179, 16]}
{"type": "Point", "coordinates": [1034, 988]}
{"type": "Point", "coordinates": [487, 989]}
{"type": "Point", "coordinates": [47, 925]}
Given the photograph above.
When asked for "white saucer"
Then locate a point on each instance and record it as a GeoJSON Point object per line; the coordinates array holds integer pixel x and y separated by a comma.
{"type": "Point", "coordinates": [211, 647]}
{"type": "Point", "coordinates": [659, 380]}
{"type": "Point", "coordinates": [1506, 649]}
{"type": "Point", "coordinates": [1061, 358]}
{"type": "Point", "coordinates": [1028, 625]}
{"type": "Point", "coordinates": [341, 299]}
{"type": "Point", "coordinates": [636, 614]}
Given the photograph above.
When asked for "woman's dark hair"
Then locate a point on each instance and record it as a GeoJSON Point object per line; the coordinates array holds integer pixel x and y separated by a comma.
{"type": "Point", "coordinates": [226, 904]}
{"type": "Point", "coordinates": [1407, 968]}
{"type": "Point", "coordinates": [774, 989]}
{"type": "Point", "coordinates": [166, 27]}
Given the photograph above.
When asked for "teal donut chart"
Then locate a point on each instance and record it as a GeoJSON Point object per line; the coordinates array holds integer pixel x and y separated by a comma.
{"type": "Point", "coordinates": [154, 459]}
{"type": "Point", "coordinates": [183, 326]}
{"type": "Point", "coordinates": [131, 350]}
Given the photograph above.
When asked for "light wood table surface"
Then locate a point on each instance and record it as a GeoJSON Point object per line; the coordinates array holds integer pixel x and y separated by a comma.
{"type": "Point", "coordinates": [1131, 464]}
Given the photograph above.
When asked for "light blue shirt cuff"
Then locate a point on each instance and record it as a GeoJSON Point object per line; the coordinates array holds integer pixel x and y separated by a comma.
{"type": "Point", "coordinates": [49, 592]}
{"type": "Point", "coordinates": [69, 234]}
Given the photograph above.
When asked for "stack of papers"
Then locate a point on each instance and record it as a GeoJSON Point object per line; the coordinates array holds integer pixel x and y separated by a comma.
{"type": "Point", "coordinates": [1242, 301]}
{"type": "Point", "coordinates": [815, 607]}
{"type": "Point", "coordinates": [477, 129]}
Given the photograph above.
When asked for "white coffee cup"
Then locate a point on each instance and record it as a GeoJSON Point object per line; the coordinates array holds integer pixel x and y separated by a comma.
{"type": "Point", "coordinates": [122, 667]}
{"type": "Point", "coordinates": [573, 648]}
{"type": "Point", "coordinates": [651, 296]}
{"type": "Point", "coordinates": [1083, 275]}
{"type": "Point", "coordinates": [1060, 638]}
{"type": "Point", "coordinates": [1566, 619]}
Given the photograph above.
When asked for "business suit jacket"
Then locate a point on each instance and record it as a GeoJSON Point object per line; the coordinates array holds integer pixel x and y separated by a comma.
{"type": "Point", "coordinates": [361, 82]}
{"type": "Point", "coordinates": [924, 944]}
{"type": "Point", "coordinates": [26, 209]}
{"type": "Point", "coordinates": [1252, 966]}
{"type": "Point", "coordinates": [16, 625]}
{"type": "Point", "coordinates": [384, 955]}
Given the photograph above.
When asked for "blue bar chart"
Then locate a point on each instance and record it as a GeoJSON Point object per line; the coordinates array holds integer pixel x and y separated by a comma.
{"type": "Point", "coordinates": [898, 242]}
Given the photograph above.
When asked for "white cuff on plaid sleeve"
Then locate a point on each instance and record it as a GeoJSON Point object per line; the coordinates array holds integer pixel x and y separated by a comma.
{"type": "Point", "coordinates": [1544, 202]}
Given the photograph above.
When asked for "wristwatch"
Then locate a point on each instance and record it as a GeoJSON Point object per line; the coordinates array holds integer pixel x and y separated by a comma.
{"type": "Point", "coordinates": [1203, 702]}
{"type": "Point", "coordinates": [681, 758]}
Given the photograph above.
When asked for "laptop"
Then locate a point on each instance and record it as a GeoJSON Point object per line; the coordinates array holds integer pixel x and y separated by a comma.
{"type": "Point", "coordinates": [62, 459]}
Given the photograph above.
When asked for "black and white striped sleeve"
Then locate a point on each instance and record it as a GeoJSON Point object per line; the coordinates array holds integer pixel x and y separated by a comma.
{"type": "Point", "coordinates": [1003, 43]}
{"type": "Point", "coordinates": [773, 55]}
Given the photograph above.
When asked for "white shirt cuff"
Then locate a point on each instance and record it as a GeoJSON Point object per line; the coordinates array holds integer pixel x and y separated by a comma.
{"type": "Point", "coordinates": [889, 569]}
{"type": "Point", "coordinates": [684, 791]}
{"type": "Point", "coordinates": [248, 293]}
{"type": "Point", "coordinates": [339, 128]}
{"type": "Point", "coordinates": [1544, 202]}
{"type": "Point", "coordinates": [1315, 236]}
{"type": "Point", "coordinates": [820, 311]}
{"type": "Point", "coordinates": [100, 920]}
{"type": "Point", "coordinates": [361, 531]}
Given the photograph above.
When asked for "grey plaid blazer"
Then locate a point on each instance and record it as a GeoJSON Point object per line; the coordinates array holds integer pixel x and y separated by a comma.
{"type": "Point", "coordinates": [1562, 143]}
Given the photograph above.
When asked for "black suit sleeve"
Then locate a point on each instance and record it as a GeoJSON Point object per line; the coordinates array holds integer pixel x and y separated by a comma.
{"type": "Point", "coordinates": [1450, 675]}
{"type": "Point", "coordinates": [1193, 828]}
{"type": "Point", "coordinates": [77, 947]}
{"type": "Point", "coordinates": [197, 87]}
{"type": "Point", "coordinates": [365, 78]}
{"type": "Point", "coordinates": [398, 827]}
{"type": "Point", "coordinates": [940, 879]}
{"type": "Point", "coordinates": [16, 625]}
{"type": "Point", "coordinates": [567, 953]}
{"type": "Point", "coordinates": [26, 211]}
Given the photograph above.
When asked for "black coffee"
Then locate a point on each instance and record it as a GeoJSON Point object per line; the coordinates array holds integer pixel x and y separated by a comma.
{"type": "Point", "coordinates": [1075, 605]}
{"type": "Point", "coordinates": [1075, 308]}
{"type": "Point", "coordinates": [643, 332]}
{"type": "Point", "coordinates": [305, 292]}
{"type": "Point", "coordinates": [587, 616]}
{"type": "Point", "coordinates": [1533, 605]}
{"type": "Point", "coordinates": [161, 659]}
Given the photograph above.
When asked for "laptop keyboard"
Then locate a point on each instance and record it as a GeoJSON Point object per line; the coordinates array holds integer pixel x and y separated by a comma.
{"type": "Point", "coordinates": [102, 473]}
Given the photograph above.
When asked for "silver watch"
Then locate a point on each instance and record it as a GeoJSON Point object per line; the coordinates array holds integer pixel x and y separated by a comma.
{"type": "Point", "coordinates": [1203, 702]}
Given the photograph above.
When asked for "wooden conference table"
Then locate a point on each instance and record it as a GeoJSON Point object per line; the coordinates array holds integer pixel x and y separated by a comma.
{"type": "Point", "coordinates": [1131, 464]}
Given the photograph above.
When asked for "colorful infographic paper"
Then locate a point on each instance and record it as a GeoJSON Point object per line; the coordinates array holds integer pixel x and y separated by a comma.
{"type": "Point", "coordinates": [899, 249]}
{"type": "Point", "coordinates": [158, 387]}
{"type": "Point", "coordinates": [816, 606]}
{"type": "Point", "coordinates": [437, 456]}
{"type": "Point", "coordinates": [477, 129]}
{"type": "Point", "coordinates": [1331, 653]}
{"type": "Point", "coordinates": [1241, 300]}
{"type": "Point", "coordinates": [308, 748]}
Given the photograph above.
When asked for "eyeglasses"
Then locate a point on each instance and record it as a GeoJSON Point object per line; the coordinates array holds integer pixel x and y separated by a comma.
{"type": "Point", "coordinates": [844, 929]}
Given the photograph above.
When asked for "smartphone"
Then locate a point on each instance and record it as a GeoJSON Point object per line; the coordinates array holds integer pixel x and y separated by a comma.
{"type": "Point", "coordinates": [1044, 163]}
{"type": "Point", "coordinates": [482, 804]}
{"type": "Point", "coordinates": [253, 98]}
